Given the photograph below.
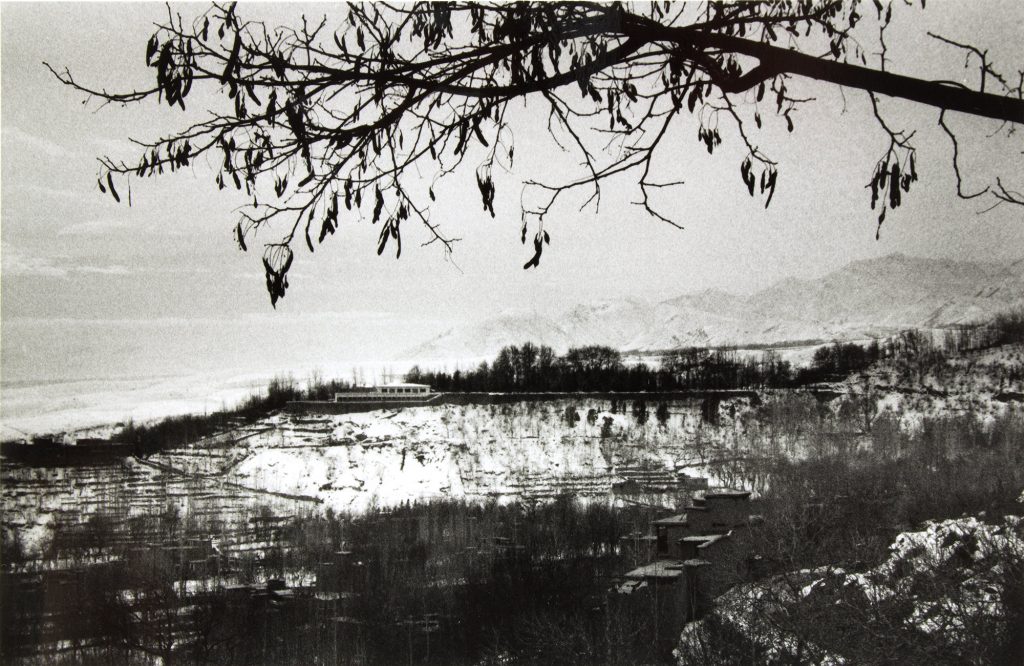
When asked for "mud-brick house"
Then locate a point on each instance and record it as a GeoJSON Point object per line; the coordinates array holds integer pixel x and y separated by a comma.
{"type": "Point", "coordinates": [726, 509]}
{"type": "Point", "coordinates": [694, 557]}
{"type": "Point", "coordinates": [659, 591]}
{"type": "Point", "coordinates": [716, 512]}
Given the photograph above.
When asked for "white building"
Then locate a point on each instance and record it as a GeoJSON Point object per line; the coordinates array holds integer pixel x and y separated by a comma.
{"type": "Point", "coordinates": [388, 392]}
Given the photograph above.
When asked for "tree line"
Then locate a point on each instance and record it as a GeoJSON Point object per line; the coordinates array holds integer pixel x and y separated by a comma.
{"type": "Point", "coordinates": [537, 368]}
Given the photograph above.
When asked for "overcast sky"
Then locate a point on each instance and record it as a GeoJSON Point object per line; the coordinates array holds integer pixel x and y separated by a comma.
{"type": "Point", "coordinates": [71, 253]}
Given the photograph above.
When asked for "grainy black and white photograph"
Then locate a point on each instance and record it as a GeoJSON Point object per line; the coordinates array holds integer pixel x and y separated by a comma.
{"type": "Point", "coordinates": [519, 333]}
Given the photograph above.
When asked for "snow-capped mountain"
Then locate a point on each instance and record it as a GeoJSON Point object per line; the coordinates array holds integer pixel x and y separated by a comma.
{"type": "Point", "coordinates": [484, 339]}
{"type": "Point", "coordinates": [865, 298]}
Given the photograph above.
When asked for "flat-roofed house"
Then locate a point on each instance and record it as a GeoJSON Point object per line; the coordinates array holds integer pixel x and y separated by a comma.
{"type": "Point", "coordinates": [697, 555]}
{"type": "Point", "coordinates": [396, 391]}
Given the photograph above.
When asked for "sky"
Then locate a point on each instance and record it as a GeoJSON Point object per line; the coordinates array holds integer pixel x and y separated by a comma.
{"type": "Point", "coordinates": [94, 289]}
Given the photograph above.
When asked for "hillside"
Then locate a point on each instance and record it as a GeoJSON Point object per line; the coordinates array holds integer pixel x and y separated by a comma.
{"type": "Point", "coordinates": [943, 588]}
{"type": "Point", "coordinates": [864, 299]}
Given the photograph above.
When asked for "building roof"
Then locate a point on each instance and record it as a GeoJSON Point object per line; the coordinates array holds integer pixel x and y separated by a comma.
{"type": "Point", "coordinates": [404, 385]}
{"type": "Point", "coordinates": [630, 586]}
{"type": "Point", "coordinates": [729, 493]}
{"type": "Point", "coordinates": [714, 538]}
{"type": "Point", "coordinates": [671, 520]}
{"type": "Point", "coordinates": [661, 569]}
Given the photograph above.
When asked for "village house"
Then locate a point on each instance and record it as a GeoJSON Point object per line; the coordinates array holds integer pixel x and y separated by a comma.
{"type": "Point", "coordinates": [692, 558]}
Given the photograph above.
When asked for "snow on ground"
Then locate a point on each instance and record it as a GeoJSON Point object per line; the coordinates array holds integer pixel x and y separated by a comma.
{"type": "Point", "coordinates": [41, 407]}
{"type": "Point", "coordinates": [951, 572]}
{"type": "Point", "coordinates": [353, 477]}
{"type": "Point", "coordinates": [353, 461]}
{"type": "Point", "coordinates": [961, 384]}
{"type": "Point", "coordinates": [61, 406]}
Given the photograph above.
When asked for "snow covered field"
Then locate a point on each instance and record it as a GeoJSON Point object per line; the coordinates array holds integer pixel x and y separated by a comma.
{"type": "Point", "coordinates": [351, 462]}
{"type": "Point", "coordinates": [387, 457]}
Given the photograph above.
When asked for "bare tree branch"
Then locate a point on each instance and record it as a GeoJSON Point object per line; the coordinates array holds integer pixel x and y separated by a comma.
{"type": "Point", "coordinates": [365, 119]}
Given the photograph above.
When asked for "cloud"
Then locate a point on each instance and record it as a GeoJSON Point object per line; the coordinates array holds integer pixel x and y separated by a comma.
{"type": "Point", "coordinates": [112, 146]}
{"type": "Point", "coordinates": [16, 263]}
{"type": "Point", "coordinates": [50, 192]}
{"type": "Point", "coordinates": [327, 315]}
{"type": "Point", "coordinates": [33, 143]}
{"type": "Point", "coordinates": [116, 269]}
{"type": "Point", "coordinates": [94, 227]}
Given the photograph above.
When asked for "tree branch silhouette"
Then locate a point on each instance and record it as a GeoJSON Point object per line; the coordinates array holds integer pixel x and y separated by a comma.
{"type": "Point", "coordinates": [354, 116]}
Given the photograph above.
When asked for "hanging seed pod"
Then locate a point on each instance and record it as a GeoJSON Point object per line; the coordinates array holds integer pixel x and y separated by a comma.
{"type": "Point", "coordinates": [894, 186]}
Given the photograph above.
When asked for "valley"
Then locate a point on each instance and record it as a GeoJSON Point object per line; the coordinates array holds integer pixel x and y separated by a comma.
{"type": "Point", "coordinates": [273, 510]}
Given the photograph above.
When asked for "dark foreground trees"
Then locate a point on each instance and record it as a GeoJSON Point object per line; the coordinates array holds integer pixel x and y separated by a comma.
{"type": "Point", "coordinates": [319, 121]}
{"type": "Point", "coordinates": [849, 571]}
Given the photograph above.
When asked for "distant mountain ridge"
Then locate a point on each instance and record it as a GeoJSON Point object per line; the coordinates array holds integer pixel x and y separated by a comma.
{"type": "Point", "coordinates": [865, 298]}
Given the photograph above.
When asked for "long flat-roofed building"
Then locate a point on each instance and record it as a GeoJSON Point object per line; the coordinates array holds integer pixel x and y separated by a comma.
{"type": "Point", "coordinates": [393, 391]}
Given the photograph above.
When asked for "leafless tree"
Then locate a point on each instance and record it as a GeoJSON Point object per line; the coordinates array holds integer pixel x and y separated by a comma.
{"type": "Point", "coordinates": [368, 114]}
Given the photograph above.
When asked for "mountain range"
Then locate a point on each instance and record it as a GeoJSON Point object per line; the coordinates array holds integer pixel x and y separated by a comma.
{"type": "Point", "coordinates": [867, 298]}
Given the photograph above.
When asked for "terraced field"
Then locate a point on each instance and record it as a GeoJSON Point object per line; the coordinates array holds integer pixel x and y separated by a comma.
{"type": "Point", "coordinates": [525, 451]}
{"type": "Point", "coordinates": [217, 514]}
